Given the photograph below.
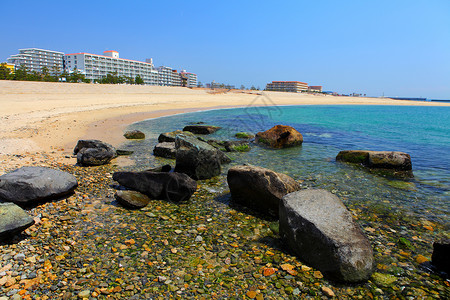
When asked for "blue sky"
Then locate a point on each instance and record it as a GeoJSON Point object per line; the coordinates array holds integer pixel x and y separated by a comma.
{"type": "Point", "coordinates": [399, 48]}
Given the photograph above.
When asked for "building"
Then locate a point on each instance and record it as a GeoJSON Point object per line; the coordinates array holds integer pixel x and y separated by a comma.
{"type": "Point", "coordinates": [35, 59]}
{"type": "Point", "coordinates": [95, 66]}
{"type": "Point", "coordinates": [287, 86]}
{"type": "Point", "coordinates": [176, 78]}
{"type": "Point", "coordinates": [168, 76]}
{"type": "Point", "coordinates": [10, 67]}
{"type": "Point", "coordinates": [188, 79]}
{"type": "Point", "coordinates": [315, 88]}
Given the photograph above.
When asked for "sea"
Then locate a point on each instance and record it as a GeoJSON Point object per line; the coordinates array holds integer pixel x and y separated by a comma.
{"type": "Point", "coordinates": [421, 131]}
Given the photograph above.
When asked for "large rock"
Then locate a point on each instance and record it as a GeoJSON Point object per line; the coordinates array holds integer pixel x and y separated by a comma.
{"type": "Point", "coordinates": [134, 135]}
{"type": "Point", "coordinates": [228, 146]}
{"type": "Point", "coordinates": [13, 219]}
{"type": "Point", "coordinates": [198, 159]}
{"type": "Point", "coordinates": [280, 136]}
{"type": "Point", "coordinates": [259, 188]}
{"type": "Point", "coordinates": [93, 152]}
{"type": "Point", "coordinates": [165, 149]}
{"type": "Point", "coordinates": [399, 161]}
{"type": "Point", "coordinates": [201, 129]}
{"type": "Point", "coordinates": [174, 187]}
{"type": "Point", "coordinates": [132, 199]}
{"type": "Point", "coordinates": [317, 226]}
{"type": "Point", "coordinates": [31, 184]}
{"type": "Point", "coordinates": [441, 256]}
{"type": "Point", "coordinates": [169, 137]}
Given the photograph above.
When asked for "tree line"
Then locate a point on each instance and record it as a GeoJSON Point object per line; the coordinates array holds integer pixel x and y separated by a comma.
{"type": "Point", "coordinates": [55, 75]}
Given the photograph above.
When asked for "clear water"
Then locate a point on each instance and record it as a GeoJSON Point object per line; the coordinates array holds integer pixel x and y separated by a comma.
{"type": "Point", "coordinates": [423, 132]}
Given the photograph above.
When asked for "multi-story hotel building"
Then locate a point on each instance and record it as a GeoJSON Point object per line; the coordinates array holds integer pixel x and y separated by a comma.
{"type": "Point", "coordinates": [189, 79]}
{"type": "Point", "coordinates": [287, 86]}
{"type": "Point", "coordinates": [315, 88]}
{"type": "Point", "coordinates": [95, 66]}
{"type": "Point", "coordinates": [35, 59]}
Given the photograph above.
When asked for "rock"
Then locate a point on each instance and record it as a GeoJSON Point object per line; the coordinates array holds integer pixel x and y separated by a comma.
{"type": "Point", "coordinates": [317, 226]}
{"type": "Point", "coordinates": [159, 185]}
{"type": "Point", "coordinates": [13, 219]}
{"type": "Point", "coordinates": [169, 137]}
{"type": "Point", "coordinates": [229, 146]}
{"type": "Point", "coordinates": [440, 257]}
{"type": "Point", "coordinates": [381, 279]}
{"type": "Point", "coordinates": [84, 294]}
{"type": "Point", "coordinates": [31, 184]}
{"type": "Point", "coordinates": [201, 129]}
{"type": "Point", "coordinates": [124, 152]}
{"type": "Point", "coordinates": [165, 149]}
{"type": "Point", "coordinates": [93, 152]}
{"type": "Point", "coordinates": [280, 136]}
{"type": "Point", "coordinates": [399, 161]}
{"type": "Point", "coordinates": [244, 135]}
{"type": "Point", "coordinates": [134, 135]}
{"type": "Point", "coordinates": [132, 199]}
{"type": "Point", "coordinates": [259, 188]}
{"type": "Point", "coordinates": [197, 159]}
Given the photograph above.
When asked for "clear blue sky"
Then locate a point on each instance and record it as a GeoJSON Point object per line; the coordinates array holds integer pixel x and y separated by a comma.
{"type": "Point", "coordinates": [399, 47]}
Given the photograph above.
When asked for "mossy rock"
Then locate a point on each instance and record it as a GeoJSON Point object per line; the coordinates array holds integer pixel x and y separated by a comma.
{"type": "Point", "coordinates": [381, 279]}
{"type": "Point", "coordinates": [353, 156]}
{"type": "Point", "coordinates": [134, 135]}
{"type": "Point", "coordinates": [240, 148]}
{"type": "Point", "coordinates": [244, 135]}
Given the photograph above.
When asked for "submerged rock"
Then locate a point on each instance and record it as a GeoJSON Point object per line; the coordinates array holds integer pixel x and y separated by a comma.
{"type": "Point", "coordinates": [31, 184]}
{"type": "Point", "coordinates": [201, 129]}
{"type": "Point", "coordinates": [198, 159]}
{"type": "Point", "coordinates": [174, 187]}
{"type": "Point", "coordinates": [165, 149]}
{"type": "Point", "coordinates": [317, 226]}
{"type": "Point", "coordinates": [13, 219]}
{"type": "Point", "coordinates": [229, 146]}
{"type": "Point", "coordinates": [94, 152]}
{"type": "Point", "coordinates": [280, 136]}
{"type": "Point", "coordinates": [259, 188]}
{"type": "Point", "coordinates": [134, 135]}
{"type": "Point", "coordinates": [399, 161]}
{"type": "Point", "coordinates": [244, 135]}
{"type": "Point", "coordinates": [132, 199]}
{"type": "Point", "coordinates": [124, 152]}
{"type": "Point", "coordinates": [441, 256]}
{"type": "Point", "coordinates": [170, 136]}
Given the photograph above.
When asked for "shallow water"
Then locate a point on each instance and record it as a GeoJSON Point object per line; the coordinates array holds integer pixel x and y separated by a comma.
{"type": "Point", "coordinates": [423, 132]}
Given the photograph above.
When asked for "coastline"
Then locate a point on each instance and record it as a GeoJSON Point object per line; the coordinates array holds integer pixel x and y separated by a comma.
{"type": "Point", "coordinates": [49, 117]}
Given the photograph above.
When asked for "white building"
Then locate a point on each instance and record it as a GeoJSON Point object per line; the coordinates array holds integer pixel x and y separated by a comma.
{"type": "Point", "coordinates": [96, 67]}
{"type": "Point", "coordinates": [189, 78]}
{"type": "Point", "coordinates": [168, 76]}
{"type": "Point", "coordinates": [35, 59]}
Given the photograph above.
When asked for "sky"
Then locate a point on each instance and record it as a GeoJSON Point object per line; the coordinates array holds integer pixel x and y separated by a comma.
{"type": "Point", "coordinates": [383, 47]}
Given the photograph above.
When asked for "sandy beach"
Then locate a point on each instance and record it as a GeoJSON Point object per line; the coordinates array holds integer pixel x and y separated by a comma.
{"type": "Point", "coordinates": [42, 116]}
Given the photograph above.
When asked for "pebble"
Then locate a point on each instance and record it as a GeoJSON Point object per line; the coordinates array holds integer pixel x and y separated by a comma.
{"type": "Point", "coordinates": [84, 294]}
{"type": "Point", "coordinates": [199, 238]}
{"type": "Point", "coordinates": [328, 292]}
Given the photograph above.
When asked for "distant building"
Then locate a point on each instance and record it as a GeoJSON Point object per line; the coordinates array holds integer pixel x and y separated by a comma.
{"type": "Point", "coordinates": [35, 59]}
{"type": "Point", "coordinates": [315, 88]}
{"type": "Point", "coordinates": [95, 66]}
{"type": "Point", "coordinates": [10, 67]}
{"type": "Point", "coordinates": [188, 79]}
{"type": "Point", "coordinates": [287, 86]}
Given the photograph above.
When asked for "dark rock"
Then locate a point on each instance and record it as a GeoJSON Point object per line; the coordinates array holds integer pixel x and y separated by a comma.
{"type": "Point", "coordinates": [244, 135]}
{"type": "Point", "coordinates": [317, 226]}
{"type": "Point", "coordinates": [132, 199]}
{"type": "Point", "coordinates": [165, 168]}
{"type": "Point", "coordinates": [441, 256]}
{"type": "Point", "coordinates": [165, 149]}
{"type": "Point", "coordinates": [280, 136]}
{"type": "Point", "coordinates": [259, 188]}
{"type": "Point", "coordinates": [228, 146]}
{"type": "Point", "coordinates": [158, 185]}
{"type": "Point", "coordinates": [134, 135]}
{"type": "Point", "coordinates": [198, 159]}
{"type": "Point", "coordinates": [201, 129]}
{"type": "Point", "coordinates": [13, 219]}
{"type": "Point", "coordinates": [169, 137]}
{"type": "Point", "coordinates": [377, 159]}
{"type": "Point", "coordinates": [124, 152]}
{"type": "Point", "coordinates": [31, 184]}
{"type": "Point", "coordinates": [94, 152]}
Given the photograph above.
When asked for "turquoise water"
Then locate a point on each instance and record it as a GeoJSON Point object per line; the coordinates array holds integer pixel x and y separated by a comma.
{"type": "Point", "coordinates": [423, 132]}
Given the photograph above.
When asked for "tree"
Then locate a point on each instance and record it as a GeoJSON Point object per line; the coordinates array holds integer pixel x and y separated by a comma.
{"type": "Point", "coordinates": [4, 72]}
{"type": "Point", "coordinates": [199, 84]}
{"type": "Point", "coordinates": [75, 76]}
{"type": "Point", "coordinates": [253, 88]}
{"type": "Point", "coordinates": [139, 80]}
{"type": "Point", "coordinates": [242, 87]}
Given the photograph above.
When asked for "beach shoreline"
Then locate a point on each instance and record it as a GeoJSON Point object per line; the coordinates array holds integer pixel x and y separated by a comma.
{"type": "Point", "coordinates": [48, 117]}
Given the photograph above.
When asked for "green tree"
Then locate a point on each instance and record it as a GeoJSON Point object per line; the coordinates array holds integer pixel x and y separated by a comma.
{"type": "Point", "coordinates": [75, 76]}
{"type": "Point", "coordinates": [139, 80]}
{"type": "Point", "coordinates": [4, 72]}
{"type": "Point", "coordinates": [21, 73]}
{"type": "Point", "coordinates": [253, 88]}
{"type": "Point", "coordinates": [200, 84]}
{"type": "Point", "coordinates": [242, 87]}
